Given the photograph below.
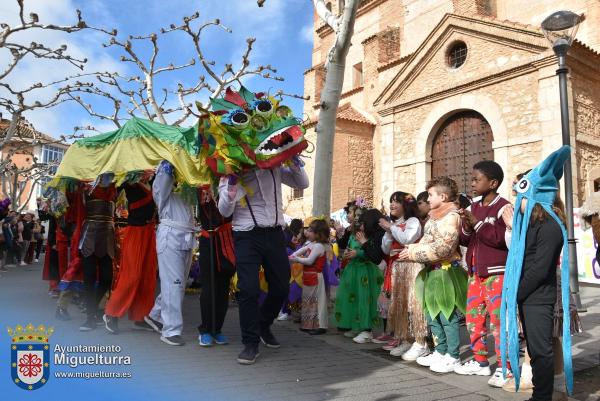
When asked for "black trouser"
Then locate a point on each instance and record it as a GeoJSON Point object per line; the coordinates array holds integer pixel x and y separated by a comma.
{"type": "Point", "coordinates": [96, 269]}
{"type": "Point", "coordinates": [538, 322]}
{"type": "Point", "coordinates": [16, 251]}
{"type": "Point", "coordinates": [38, 248]}
{"type": "Point", "coordinates": [221, 290]}
{"type": "Point", "coordinates": [266, 247]}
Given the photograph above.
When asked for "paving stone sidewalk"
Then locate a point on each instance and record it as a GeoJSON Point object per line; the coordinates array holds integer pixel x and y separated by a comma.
{"type": "Point", "coordinates": [307, 368]}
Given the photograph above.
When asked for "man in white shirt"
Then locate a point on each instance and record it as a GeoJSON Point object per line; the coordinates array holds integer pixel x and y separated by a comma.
{"type": "Point", "coordinates": [257, 223]}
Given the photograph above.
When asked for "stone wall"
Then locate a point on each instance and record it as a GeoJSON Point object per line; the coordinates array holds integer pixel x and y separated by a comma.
{"type": "Point", "coordinates": [588, 158]}
{"type": "Point", "coordinates": [404, 180]}
{"type": "Point", "coordinates": [585, 84]}
{"type": "Point", "coordinates": [521, 107]}
{"type": "Point", "coordinates": [521, 158]}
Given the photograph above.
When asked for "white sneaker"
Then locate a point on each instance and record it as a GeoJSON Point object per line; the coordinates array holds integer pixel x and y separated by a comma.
{"type": "Point", "coordinates": [23, 264]}
{"type": "Point", "coordinates": [283, 316]}
{"type": "Point", "coordinates": [472, 367]}
{"type": "Point", "coordinates": [498, 380]}
{"type": "Point", "coordinates": [350, 334]}
{"type": "Point", "coordinates": [429, 359]}
{"type": "Point", "coordinates": [416, 351]}
{"type": "Point", "coordinates": [36, 260]}
{"type": "Point", "coordinates": [400, 349]}
{"type": "Point", "coordinates": [444, 365]}
{"type": "Point", "coordinates": [363, 337]}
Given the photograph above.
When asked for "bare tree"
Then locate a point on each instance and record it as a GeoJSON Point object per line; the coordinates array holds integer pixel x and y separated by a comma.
{"type": "Point", "coordinates": [14, 180]}
{"type": "Point", "coordinates": [330, 99]}
{"type": "Point", "coordinates": [16, 101]}
{"type": "Point", "coordinates": [137, 94]}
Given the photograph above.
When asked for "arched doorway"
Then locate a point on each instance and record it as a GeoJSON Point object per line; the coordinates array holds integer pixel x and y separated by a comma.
{"type": "Point", "coordinates": [462, 140]}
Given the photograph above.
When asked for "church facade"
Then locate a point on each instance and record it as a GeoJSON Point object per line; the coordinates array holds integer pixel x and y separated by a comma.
{"type": "Point", "coordinates": [433, 86]}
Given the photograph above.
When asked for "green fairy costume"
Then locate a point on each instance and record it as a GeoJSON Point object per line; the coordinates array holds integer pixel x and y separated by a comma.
{"type": "Point", "coordinates": [360, 284]}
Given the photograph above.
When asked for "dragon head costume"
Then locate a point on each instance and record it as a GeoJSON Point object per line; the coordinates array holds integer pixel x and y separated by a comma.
{"type": "Point", "coordinates": [246, 130]}
{"type": "Point", "coordinates": [242, 131]}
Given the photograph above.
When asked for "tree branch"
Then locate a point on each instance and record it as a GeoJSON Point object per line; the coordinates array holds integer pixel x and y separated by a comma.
{"type": "Point", "coordinates": [327, 16]}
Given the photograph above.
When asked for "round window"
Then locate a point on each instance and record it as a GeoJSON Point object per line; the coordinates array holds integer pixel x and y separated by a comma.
{"type": "Point", "coordinates": [457, 54]}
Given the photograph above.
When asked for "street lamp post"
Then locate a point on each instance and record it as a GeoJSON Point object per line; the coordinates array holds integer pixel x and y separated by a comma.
{"type": "Point", "coordinates": [560, 29]}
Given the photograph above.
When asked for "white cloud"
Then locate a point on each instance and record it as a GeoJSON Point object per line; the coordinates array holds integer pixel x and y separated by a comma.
{"type": "Point", "coordinates": [275, 25]}
{"type": "Point", "coordinates": [306, 33]}
{"type": "Point", "coordinates": [30, 70]}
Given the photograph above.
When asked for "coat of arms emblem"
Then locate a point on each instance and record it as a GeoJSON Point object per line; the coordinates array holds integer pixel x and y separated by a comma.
{"type": "Point", "coordinates": [30, 355]}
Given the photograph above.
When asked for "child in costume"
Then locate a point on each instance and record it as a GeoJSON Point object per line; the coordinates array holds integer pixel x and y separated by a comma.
{"type": "Point", "coordinates": [313, 257]}
{"type": "Point", "coordinates": [423, 208]}
{"type": "Point", "coordinates": [538, 235]}
{"type": "Point", "coordinates": [294, 237]}
{"type": "Point", "coordinates": [405, 316]}
{"type": "Point", "coordinates": [525, 380]}
{"type": "Point", "coordinates": [343, 234]}
{"type": "Point", "coordinates": [441, 286]}
{"type": "Point", "coordinates": [360, 284]}
{"type": "Point", "coordinates": [483, 233]}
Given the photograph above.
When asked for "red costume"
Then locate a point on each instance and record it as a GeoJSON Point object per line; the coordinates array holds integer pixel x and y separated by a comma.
{"type": "Point", "coordinates": [133, 290]}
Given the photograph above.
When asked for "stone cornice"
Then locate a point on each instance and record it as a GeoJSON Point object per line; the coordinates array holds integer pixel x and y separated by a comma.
{"type": "Point", "coordinates": [587, 139]}
{"type": "Point", "coordinates": [523, 69]}
{"type": "Point", "coordinates": [393, 63]}
{"type": "Point", "coordinates": [314, 67]}
{"type": "Point", "coordinates": [365, 6]}
{"type": "Point", "coordinates": [351, 92]}
{"type": "Point", "coordinates": [369, 39]}
{"type": "Point", "coordinates": [502, 32]}
{"type": "Point", "coordinates": [344, 95]}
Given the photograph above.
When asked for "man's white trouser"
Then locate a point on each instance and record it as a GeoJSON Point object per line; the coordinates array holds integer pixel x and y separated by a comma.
{"type": "Point", "coordinates": [173, 269]}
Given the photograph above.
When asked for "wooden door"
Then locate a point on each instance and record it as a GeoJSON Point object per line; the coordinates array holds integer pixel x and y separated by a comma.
{"type": "Point", "coordinates": [463, 140]}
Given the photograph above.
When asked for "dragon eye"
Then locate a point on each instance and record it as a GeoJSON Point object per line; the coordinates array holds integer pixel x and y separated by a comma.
{"type": "Point", "coordinates": [283, 112]}
{"type": "Point", "coordinates": [259, 123]}
{"type": "Point", "coordinates": [522, 186]}
{"type": "Point", "coordinates": [240, 119]}
{"type": "Point", "coordinates": [264, 108]}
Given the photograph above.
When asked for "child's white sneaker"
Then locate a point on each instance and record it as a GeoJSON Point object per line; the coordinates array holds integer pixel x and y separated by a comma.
{"type": "Point", "coordinates": [283, 317]}
{"type": "Point", "coordinates": [429, 359]}
{"type": "Point", "coordinates": [445, 364]}
{"type": "Point", "coordinates": [416, 351]}
{"type": "Point", "coordinates": [498, 379]}
{"type": "Point", "coordinates": [400, 349]}
{"type": "Point", "coordinates": [472, 367]}
{"type": "Point", "coordinates": [363, 337]}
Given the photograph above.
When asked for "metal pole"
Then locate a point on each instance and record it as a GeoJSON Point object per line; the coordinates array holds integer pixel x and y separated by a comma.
{"type": "Point", "coordinates": [561, 52]}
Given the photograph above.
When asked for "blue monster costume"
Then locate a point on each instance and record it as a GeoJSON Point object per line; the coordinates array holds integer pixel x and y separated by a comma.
{"type": "Point", "coordinates": [540, 185]}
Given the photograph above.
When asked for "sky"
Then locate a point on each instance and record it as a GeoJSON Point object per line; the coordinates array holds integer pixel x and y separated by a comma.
{"type": "Point", "coordinates": [282, 28]}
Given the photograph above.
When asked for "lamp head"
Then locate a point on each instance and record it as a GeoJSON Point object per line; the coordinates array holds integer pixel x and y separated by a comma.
{"type": "Point", "coordinates": [560, 28]}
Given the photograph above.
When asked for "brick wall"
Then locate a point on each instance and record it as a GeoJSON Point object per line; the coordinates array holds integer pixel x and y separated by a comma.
{"type": "Point", "coordinates": [475, 7]}
{"type": "Point", "coordinates": [352, 164]}
{"type": "Point", "coordinates": [388, 45]}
